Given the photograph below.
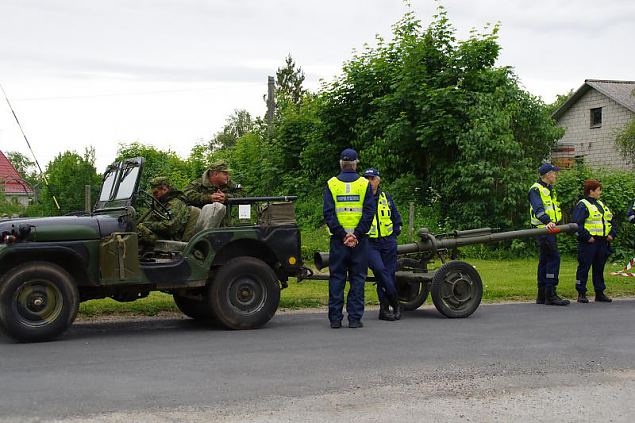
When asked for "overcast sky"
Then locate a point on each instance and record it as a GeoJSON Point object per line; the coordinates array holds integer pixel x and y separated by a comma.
{"type": "Point", "coordinates": [169, 72]}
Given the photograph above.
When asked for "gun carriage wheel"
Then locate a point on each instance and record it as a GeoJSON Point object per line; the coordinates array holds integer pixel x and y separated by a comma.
{"type": "Point", "coordinates": [457, 289]}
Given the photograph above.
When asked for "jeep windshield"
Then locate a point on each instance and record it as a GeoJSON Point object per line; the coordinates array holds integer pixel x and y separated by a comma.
{"type": "Point", "coordinates": [120, 185]}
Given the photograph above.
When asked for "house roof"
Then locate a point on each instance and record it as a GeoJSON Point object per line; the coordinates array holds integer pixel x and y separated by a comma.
{"type": "Point", "coordinates": [622, 92]}
{"type": "Point", "coordinates": [10, 179]}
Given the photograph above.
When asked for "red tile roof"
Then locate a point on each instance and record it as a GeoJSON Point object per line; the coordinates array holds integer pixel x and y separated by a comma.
{"type": "Point", "coordinates": [10, 179]}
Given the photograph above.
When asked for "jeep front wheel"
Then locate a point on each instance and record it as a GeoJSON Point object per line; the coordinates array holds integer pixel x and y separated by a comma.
{"type": "Point", "coordinates": [38, 301]}
{"type": "Point", "coordinates": [244, 293]}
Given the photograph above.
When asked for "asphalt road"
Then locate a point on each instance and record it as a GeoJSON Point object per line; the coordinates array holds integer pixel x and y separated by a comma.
{"type": "Point", "coordinates": [509, 362]}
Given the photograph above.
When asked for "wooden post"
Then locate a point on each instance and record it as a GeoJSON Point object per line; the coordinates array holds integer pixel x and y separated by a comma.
{"type": "Point", "coordinates": [411, 220]}
{"type": "Point", "coordinates": [87, 206]}
{"type": "Point", "coordinates": [271, 104]}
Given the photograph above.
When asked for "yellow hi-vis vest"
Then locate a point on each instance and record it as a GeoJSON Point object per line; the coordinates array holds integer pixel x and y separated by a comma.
{"type": "Point", "coordinates": [598, 224]}
{"type": "Point", "coordinates": [384, 215]}
{"type": "Point", "coordinates": [549, 202]}
{"type": "Point", "coordinates": [349, 201]}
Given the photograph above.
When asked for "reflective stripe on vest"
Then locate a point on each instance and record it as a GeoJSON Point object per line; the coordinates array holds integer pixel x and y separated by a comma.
{"type": "Point", "coordinates": [349, 201]}
{"type": "Point", "coordinates": [597, 224]}
{"type": "Point", "coordinates": [385, 218]}
{"type": "Point", "coordinates": [549, 202]}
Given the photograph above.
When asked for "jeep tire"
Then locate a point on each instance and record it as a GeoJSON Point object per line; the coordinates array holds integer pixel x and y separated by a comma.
{"type": "Point", "coordinates": [196, 309]}
{"type": "Point", "coordinates": [38, 301]}
{"type": "Point", "coordinates": [245, 293]}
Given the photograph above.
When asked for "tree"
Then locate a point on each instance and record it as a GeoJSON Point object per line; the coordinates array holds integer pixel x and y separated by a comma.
{"type": "Point", "coordinates": [428, 105]}
{"type": "Point", "coordinates": [289, 80]}
{"type": "Point", "coordinates": [237, 124]}
{"type": "Point", "coordinates": [67, 174]}
{"type": "Point", "coordinates": [25, 167]}
{"type": "Point", "coordinates": [158, 163]}
{"type": "Point", "coordinates": [625, 141]}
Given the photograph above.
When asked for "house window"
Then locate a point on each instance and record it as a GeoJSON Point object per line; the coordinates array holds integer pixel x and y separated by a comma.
{"type": "Point", "coordinates": [596, 117]}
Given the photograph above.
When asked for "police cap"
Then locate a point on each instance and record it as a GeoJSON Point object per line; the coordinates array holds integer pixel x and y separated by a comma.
{"type": "Point", "coordinates": [348, 155]}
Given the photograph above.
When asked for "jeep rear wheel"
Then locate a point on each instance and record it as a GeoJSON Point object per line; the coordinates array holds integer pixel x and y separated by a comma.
{"type": "Point", "coordinates": [244, 293]}
{"type": "Point", "coordinates": [38, 301]}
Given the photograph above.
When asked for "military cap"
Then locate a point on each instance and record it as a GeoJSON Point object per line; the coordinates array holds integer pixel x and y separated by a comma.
{"type": "Point", "coordinates": [219, 166]}
{"type": "Point", "coordinates": [159, 181]}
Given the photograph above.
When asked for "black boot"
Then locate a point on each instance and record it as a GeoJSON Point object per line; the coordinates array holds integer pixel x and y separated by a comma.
{"type": "Point", "coordinates": [396, 308]}
{"type": "Point", "coordinates": [582, 297]}
{"type": "Point", "coordinates": [552, 298]}
{"type": "Point", "coordinates": [540, 298]}
{"type": "Point", "coordinates": [600, 297]}
{"type": "Point", "coordinates": [384, 311]}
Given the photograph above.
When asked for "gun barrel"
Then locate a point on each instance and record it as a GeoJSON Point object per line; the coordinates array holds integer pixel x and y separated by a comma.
{"type": "Point", "coordinates": [251, 200]}
{"type": "Point", "coordinates": [480, 236]}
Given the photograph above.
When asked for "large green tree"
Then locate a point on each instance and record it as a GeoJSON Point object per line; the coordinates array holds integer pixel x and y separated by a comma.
{"type": "Point", "coordinates": [428, 105]}
{"type": "Point", "coordinates": [67, 174]}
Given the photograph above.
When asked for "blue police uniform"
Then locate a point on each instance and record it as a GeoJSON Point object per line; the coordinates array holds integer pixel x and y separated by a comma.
{"type": "Point", "coordinates": [549, 260]}
{"type": "Point", "coordinates": [345, 261]}
{"type": "Point", "coordinates": [382, 255]}
{"type": "Point", "coordinates": [591, 255]}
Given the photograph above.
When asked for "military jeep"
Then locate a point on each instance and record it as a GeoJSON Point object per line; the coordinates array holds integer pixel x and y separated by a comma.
{"type": "Point", "coordinates": [232, 274]}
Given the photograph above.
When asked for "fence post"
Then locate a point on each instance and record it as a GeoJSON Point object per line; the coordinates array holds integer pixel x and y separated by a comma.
{"type": "Point", "coordinates": [411, 220]}
{"type": "Point", "coordinates": [87, 206]}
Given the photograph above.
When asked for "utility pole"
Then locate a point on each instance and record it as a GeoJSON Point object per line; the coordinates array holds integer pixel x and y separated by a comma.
{"type": "Point", "coordinates": [271, 104]}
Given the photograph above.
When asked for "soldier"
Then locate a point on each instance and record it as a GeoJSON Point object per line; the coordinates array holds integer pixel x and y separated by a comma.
{"type": "Point", "coordinates": [210, 193]}
{"type": "Point", "coordinates": [348, 212]}
{"type": "Point", "coordinates": [382, 251]}
{"type": "Point", "coordinates": [153, 227]}
{"type": "Point", "coordinates": [595, 234]}
{"type": "Point", "coordinates": [544, 211]}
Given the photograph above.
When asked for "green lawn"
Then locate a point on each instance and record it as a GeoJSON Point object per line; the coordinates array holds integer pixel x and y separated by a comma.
{"type": "Point", "coordinates": [508, 280]}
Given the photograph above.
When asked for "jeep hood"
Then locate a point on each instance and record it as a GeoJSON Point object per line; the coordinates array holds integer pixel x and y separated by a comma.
{"type": "Point", "coordinates": [62, 228]}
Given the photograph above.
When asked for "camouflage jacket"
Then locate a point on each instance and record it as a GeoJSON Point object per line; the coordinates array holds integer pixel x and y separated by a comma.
{"type": "Point", "coordinates": [152, 227]}
{"type": "Point", "coordinates": [199, 191]}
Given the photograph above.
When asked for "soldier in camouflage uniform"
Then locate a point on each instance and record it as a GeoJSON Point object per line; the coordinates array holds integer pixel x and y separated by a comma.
{"type": "Point", "coordinates": [152, 227]}
{"type": "Point", "coordinates": [210, 193]}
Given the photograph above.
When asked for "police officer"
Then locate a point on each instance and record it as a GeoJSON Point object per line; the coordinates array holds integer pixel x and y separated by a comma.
{"type": "Point", "coordinates": [348, 213]}
{"type": "Point", "coordinates": [544, 211]}
{"type": "Point", "coordinates": [595, 233]}
{"type": "Point", "coordinates": [153, 227]}
{"type": "Point", "coordinates": [382, 251]}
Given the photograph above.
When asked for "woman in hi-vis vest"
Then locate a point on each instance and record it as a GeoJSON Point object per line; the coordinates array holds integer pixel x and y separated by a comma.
{"type": "Point", "coordinates": [595, 234]}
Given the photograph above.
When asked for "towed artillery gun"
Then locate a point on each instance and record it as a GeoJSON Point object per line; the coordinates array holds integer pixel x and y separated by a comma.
{"type": "Point", "coordinates": [456, 286]}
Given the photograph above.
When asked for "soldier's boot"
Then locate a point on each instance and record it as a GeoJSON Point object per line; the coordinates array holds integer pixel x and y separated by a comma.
{"type": "Point", "coordinates": [552, 298]}
{"type": "Point", "coordinates": [600, 297]}
{"type": "Point", "coordinates": [540, 298]}
{"type": "Point", "coordinates": [384, 311]}
{"type": "Point", "coordinates": [396, 308]}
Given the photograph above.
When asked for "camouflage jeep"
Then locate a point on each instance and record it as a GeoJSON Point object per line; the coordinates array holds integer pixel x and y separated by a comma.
{"type": "Point", "coordinates": [231, 274]}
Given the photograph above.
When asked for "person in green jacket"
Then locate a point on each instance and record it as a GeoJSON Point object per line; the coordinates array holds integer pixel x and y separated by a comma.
{"type": "Point", "coordinates": [152, 227]}
{"type": "Point", "coordinates": [210, 193]}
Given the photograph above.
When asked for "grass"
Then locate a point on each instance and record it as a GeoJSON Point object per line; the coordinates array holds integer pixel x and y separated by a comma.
{"type": "Point", "coordinates": [503, 280]}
